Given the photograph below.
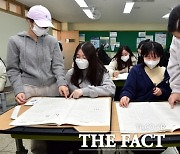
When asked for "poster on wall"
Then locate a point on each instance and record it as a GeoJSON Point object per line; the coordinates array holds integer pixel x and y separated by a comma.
{"type": "Point", "coordinates": [149, 37]}
{"type": "Point", "coordinates": [81, 38]}
{"type": "Point", "coordinates": [161, 38]}
{"type": "Point", "coordinates": [139, 39]}
{"type": "Point", "coordinates": [104, 40]}
{"type": "Point", "coordinates": [142, 34]}
{"type": "Point", "coordinates": [113, 34]}
{"type": "Point", "coordinates": [95, 41]}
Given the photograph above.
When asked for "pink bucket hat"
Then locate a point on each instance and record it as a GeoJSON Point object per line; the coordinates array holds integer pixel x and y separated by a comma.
{"type": "Point", "coordinates": [40, 15]}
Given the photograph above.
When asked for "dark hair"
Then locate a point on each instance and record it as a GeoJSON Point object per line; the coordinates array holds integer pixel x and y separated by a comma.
{"type": "Point", "coordinates": [120, 63]}
{"type": "Point", "coordinates": [142, 42]}
{"type": "Point", "coordinates": [31, 20]}
{"type": "Point", "coordinates": [95, 70]}
{"type": "Point", "coordinates": [152, 47]}
{"type": "Point", "coordinates": [174, 20]}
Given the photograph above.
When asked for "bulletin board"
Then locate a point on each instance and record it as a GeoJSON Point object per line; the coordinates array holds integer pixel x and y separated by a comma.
{"type": "Point", "coordinates": [128, 38]}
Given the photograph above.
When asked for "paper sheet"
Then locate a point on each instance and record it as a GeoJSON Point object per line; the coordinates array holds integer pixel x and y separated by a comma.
{"type": "Point", "coordinates": [144, 117]}
{"type": "Point", "coordinates": [82, 111]}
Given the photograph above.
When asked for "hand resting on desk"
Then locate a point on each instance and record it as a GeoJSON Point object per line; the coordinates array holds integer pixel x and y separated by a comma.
{"type": "Point", "coordinates": [124, 101]}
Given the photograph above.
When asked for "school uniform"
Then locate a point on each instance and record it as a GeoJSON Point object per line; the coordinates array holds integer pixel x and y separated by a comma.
{"type": "Point", "coordinates": [107, 87]}
{"type": "Point", "coordinates": [139, 86]}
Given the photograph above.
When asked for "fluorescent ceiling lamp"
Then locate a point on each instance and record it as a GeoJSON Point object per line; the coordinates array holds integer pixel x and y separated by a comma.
{"type": "Point", "coordinates": [88, 13]}
{"type": "Point", "coordinates": [81, 3]}
{"type": "Point", "coordinates": [166, 16]}
{"type": "Point", "coordinates": [128, 7]}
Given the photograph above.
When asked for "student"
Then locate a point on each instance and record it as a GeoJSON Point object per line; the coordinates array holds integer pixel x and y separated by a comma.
{"type": "Point", "coordinates": [34, 62]}
{"type": "Point", "coordinates": [89, 77]}
{"type": "Point", "coordinates": [3, 77]}
{"type": "Point", "coordinates": [147, 81]}
{"type": "Point", "coordinates": [174, 61]}
{"type": "Point", "coordinates": [102, 55]}
{"type": "Point", "coordinates": [139, 50]}
{"type": "Point", "coordinates": [122, 62]}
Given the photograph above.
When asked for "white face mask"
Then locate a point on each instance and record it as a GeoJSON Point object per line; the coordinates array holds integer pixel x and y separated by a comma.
{"type": "Point", "coordinates": [151, 63]}
{"type": "Point", "coordinates": [125, 58]}
{"type": "Point", "coordinates": [82, 63]}
{"type": "Point", "coordinates": [39, 31]}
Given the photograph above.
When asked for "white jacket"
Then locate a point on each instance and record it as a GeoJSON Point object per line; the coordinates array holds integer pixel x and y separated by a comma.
{"type": "Point", "coordinates": [3, 76]}
{"type": "Point", "coordinates": [173, 67]}
{"type": "Point", "coordinates": [113, 66]}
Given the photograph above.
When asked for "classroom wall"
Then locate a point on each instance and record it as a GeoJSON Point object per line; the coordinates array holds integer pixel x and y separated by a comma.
{"type": "Point", "coordinates": [10, 25]}
{"type": "Point", "coordinates": [117, 27]}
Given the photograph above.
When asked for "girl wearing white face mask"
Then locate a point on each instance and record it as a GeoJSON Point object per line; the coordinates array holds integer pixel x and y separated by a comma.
{"type": "Point", "coordinates": [147, 81]}
{"type": "Point", "coordinates": [88, 77]}
{"type": "Point", "coordinates": [122, 62]}
{"type": "Point", "coordinates": [35, 65]}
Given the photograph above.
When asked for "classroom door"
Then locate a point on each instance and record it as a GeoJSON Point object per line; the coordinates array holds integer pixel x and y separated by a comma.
{"type": "Point", "coordinates": [70, 40]}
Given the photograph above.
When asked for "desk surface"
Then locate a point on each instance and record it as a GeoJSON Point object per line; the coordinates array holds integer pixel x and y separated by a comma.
{"type": "Point", "coordinates": [115, 127]}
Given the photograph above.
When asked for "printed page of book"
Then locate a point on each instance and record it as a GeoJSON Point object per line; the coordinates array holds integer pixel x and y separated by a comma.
{"type": "Point", "coordinates": [83, 111]}
{"type": "Point", "coordinates": [146, 117]}
{"type": "Point", "coordinates": [171, 116]}
{"type": "Point", "coordinates": [90, 112]}
{"type": "Point", "coordinates": [45, 111]}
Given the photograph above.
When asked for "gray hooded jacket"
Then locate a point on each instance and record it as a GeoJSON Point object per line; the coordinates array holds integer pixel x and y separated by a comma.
{"type": "Point", "coordinates": [34, 63]}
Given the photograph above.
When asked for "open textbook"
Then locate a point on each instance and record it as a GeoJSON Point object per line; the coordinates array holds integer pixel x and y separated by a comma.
{"type": "Point", "coordinates": [148, 117]}
{"type": "Point", "coordinates": [58, 111]}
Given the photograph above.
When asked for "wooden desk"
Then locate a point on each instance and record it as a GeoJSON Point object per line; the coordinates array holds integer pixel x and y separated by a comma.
{"type": "Point", "coordinates": [42, 132]}
{"type": "Point", "coordinates": [172, 138]}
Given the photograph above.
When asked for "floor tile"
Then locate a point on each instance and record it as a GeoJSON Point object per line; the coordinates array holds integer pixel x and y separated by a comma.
{"type": "Point", "coordinates": [4, 141]}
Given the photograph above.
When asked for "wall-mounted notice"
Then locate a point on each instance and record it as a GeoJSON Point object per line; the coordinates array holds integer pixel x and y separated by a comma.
{"type": "Point", "coordinates": [161, 38]}
{"type": "Point", "coordinates": [113, 34]}
{"type": "Point", "coordinates": [95, 41]}
{"type": "Point", "coordinates": [142, 34]}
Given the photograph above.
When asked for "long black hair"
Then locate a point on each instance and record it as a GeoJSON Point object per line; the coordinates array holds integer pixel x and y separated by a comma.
{"type": "Point", "coordinates": [95, 70]}
{"type": "Point", "coordinates": [120, 63]}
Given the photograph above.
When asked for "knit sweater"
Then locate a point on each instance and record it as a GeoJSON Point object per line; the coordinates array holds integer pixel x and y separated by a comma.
{"type": "Point", "coordinates": [139, 87]}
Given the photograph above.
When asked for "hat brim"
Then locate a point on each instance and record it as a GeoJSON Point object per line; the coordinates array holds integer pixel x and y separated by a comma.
{"type": "Point", "coordinates": [44, 23]}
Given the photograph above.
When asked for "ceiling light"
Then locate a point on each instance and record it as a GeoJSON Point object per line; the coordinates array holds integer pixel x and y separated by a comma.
{"type": "Point", "coordinates": [166, 16]}
{"type": "Point", "coordinates": [128, 7]}
{"type": "Point", "coordinates": [88, 13]}
{"type": "Point", "coordinates": [81, 3]}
